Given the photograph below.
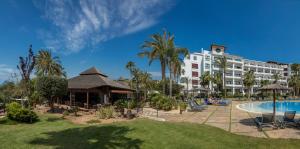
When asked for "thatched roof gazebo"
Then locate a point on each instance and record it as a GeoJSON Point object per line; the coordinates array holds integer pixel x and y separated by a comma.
{"type": "Point", "coordinates": [93, 81]}
{"type": "Point", "coordinates": [274, 87]}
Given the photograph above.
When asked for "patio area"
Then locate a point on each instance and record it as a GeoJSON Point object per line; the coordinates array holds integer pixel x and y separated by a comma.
{"type": "Point", "coordinates": [228, 118]}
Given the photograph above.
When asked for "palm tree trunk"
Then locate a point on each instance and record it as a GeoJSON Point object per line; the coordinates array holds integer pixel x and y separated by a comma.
{"type": "Point", "coordinates": [224, 83]}
{"type": "Point", "coordinates": [171, 84]}
{"type": "Point", "coordinates": [249, 92]}
{"type": "Point", "coordinates": [163, 76]}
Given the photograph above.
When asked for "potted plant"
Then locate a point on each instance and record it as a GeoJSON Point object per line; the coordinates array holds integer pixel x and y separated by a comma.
{"type": "Point", "coordinates": [182, 107]}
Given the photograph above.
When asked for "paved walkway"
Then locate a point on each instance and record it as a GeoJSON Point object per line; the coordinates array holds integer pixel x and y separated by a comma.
{"type": "Point", "coordinates": [228, 118]}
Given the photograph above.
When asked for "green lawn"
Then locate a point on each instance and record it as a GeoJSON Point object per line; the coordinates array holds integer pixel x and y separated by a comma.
{"type": "Point", "coordinates": [53, 132]}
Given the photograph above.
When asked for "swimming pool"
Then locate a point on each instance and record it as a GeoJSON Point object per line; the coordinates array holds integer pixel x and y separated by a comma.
{"type": "Point", "coordinates": [267, 107]}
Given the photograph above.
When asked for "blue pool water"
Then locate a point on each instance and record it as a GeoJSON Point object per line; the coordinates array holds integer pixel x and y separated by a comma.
{"type": "Point", "coordinates": [267, 107]}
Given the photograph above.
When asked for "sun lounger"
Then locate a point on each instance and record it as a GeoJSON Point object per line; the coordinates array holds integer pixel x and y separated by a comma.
{"type": "Point", "coordinates": [195, 107]}
{"type": "Point", "coordinates": [266, 120]}
{"type": "Point", "coordinates": [203, 105]}
{"type": "Point", "coordinates": [289, 119]}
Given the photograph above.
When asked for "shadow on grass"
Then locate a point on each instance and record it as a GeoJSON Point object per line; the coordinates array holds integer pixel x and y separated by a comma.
{"type": "Point", "coordinates": [54, 119]}
{"type": "Point", "coordinates": [90, 137]}
{"type": "Point", "coordinates": [6, 121]}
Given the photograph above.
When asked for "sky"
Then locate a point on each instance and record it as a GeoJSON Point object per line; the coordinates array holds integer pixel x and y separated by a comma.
{"type": "Point", "coordinates": [109, 33]}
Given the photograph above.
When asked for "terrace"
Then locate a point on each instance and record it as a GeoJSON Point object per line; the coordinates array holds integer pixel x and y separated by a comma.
{"type": "Point", "coordinates": [228, 118]}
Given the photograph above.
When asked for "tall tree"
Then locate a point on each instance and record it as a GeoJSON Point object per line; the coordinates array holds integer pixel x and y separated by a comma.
{"type": "Point", "coordinates": [146, 81]}
{"type": "Point", "coordinates": [294, 81]}
{"type": "Point", "coordinates": [217, 79]}
{"type": "Point", "coordinates": [276, 77]}
{"type": "Point", "coordinates": [249, 81]}
{"type": "Point", "coordinates": [25, 67]}
{"type": "Point", "coordinates": [264, 83]}
{"type": "Point", "coordinates": [174, 61]}
{"type": "Point", "coordinates": [295, 69]}
{"type": "Point", "coordinates": [222, 63]}
{"type": "Point", "coordinates": [156, 49]}
{"type": "Point", "coordinates": [46, 65]}
{"type": "Point", "coordinates": [130, 66]}
{"type": "Point", "coordinates": [205, 79]}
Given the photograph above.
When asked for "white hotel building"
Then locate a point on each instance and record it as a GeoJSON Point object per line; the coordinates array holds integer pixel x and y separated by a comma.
{"type": "Point", "coordinates": [199, 62]}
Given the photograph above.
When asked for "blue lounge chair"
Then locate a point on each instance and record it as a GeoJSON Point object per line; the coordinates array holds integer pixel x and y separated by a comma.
{"type": "Point", "coordinates": [203, 105]}
{"type": "Point", "coordinates": [289, 119]}
{"type": "Point", "coordinates": [266, 120]}
{"type": "Point", "coordinates": [195, 107]}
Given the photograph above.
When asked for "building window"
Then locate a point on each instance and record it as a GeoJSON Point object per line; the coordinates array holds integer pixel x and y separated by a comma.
{"type": "Point", "coordinates": [238, 67]}
{"type": "Point", "coordinates": [195, 58]}
{"type": "Point", "coordinates": [286, 74]}
{"type": "Point", "coordinates": [238, 83]}
{"type": "Point", "coordinates": [207, 58]}
{"type": "Point", "coordinates": [195, 66]}
{"type": "Point", "coordinates": [207, 66]}
{"type": "Point", "coordinates": [228, 82]}
{"type": "Point", "coordinates": [195, 74]}
{"type": "Point", "coordinates": [195, 82]}
{"type": "Point", "coordinates": [237, 74]}
{"type": "Point", "coordinates": [239, 60]}
{"type": "Point", "coordinates": [260, 70]}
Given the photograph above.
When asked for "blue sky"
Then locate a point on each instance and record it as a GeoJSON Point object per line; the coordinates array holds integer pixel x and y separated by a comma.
{"type": "Point", "coordinates": [108, 34]}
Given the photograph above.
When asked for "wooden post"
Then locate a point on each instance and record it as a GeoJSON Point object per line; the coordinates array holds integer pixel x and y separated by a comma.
{"type": "Point", "coordinates": [274, 106]}
{"type": "Point", "coordinates": [87, 99]}
{"type": "Point", "coordinates": [70, 98]}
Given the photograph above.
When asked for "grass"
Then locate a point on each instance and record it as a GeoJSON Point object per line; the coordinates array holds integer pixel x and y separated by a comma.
{"type": "Point", "coordinates": [53, 132]}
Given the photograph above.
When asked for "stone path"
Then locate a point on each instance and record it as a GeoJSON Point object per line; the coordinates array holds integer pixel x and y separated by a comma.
{"type": "Point", "coordinates": [228, 118]}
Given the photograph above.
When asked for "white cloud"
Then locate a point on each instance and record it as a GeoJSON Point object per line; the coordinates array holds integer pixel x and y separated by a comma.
{"type": "Point", "coordinates": [86, 23]}
{"type": "Point", "coordinates": [6, 72]}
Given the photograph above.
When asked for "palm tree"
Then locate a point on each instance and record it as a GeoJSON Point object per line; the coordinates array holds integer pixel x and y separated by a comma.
{"type": "Point", "coordinates": [276, 77]}
{"type": "Point", "coordinates": [264, 83]}
{"type": "Point", "coordinates": [294, 81]}
{"type": "Point", "coordinates": [217, 79]}
{"type": "Point", "coordinates": [249, 81]}
{"type": "Point", "coordinates": [130, 66]}
{"type": "Point", "coordinates": [174, 61]}
{"type": "Point", "coordinates": [46, 65]}
{"type": "Point", "coordinates": [205, 79]}
{"type": "Point", "coordinates": [222, 62]}
{"type": "Point", "coordinates": [146, 81]}
{"type": "Point", "coordinates": [187, 81]}
{"type": "Point", "coordinates": [295, 69]}
{"type": "Point", "coordinates": [156, 49]}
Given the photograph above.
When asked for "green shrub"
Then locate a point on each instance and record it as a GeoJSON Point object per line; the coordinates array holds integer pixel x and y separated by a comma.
{"type": "Point", "coordinates": [12, 110]}
{"type": "Point", "coordinates": [131, 104]}
{"type": "Point", "coordinates": [161, 102]}
{"type": "Point", "coordinates": [17, 113]}
{"type": "Point", "coordinates": [120, 104]}
{"type": "Point", "coordinates": [66, 113]}
{"type": "Point", "coordinates": [106, 112]}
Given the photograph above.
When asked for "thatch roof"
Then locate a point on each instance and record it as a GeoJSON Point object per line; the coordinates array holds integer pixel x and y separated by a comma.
{"type": "Point", "coordinates": [93, 78]}
{"type": "Point", "coordinates": [275, 86]}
